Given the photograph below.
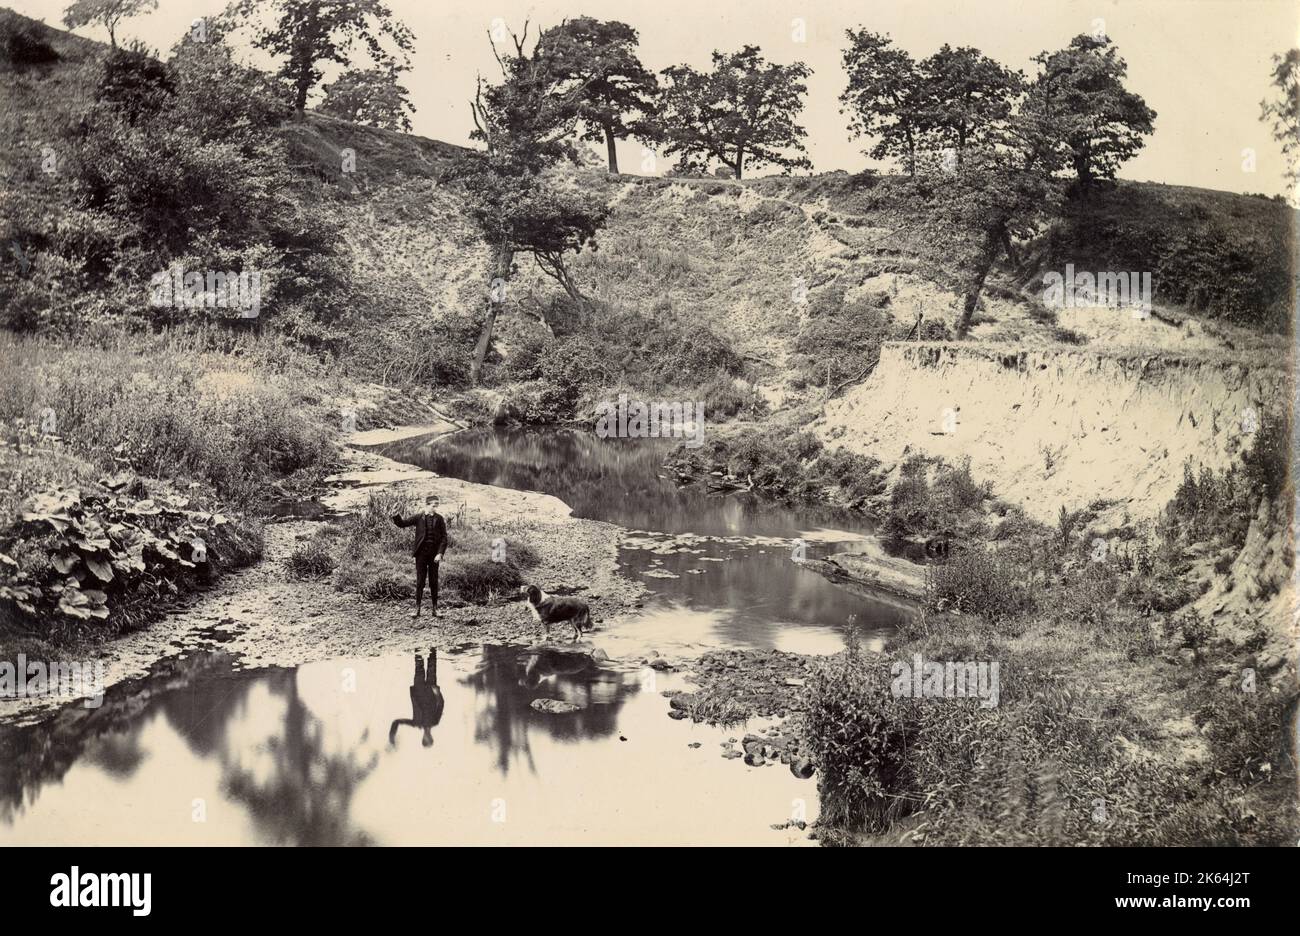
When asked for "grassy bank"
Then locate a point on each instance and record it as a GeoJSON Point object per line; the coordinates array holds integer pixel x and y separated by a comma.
{"type": "Point", "coordinates": [369, 555]}
{"type": "Point", "coordinates": [1144, 694]}
{"type": "Point", "coordinates": [1127, 713]}
{"type": "Point", "coordinates": [133, 468]}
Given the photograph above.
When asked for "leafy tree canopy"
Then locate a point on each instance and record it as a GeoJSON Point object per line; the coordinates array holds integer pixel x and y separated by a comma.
{"type": "Point", "coordinates": [742, 113]}
{"type": "Point", "coordinates": [1284, 111]}
{"type": "Point", "coordinates": [1079, 97]}
{"type": "Point", "coordinates": [373, 97]}
{"type": "Point", "coordinates": [309, 34]}
{"type": "Point", "coordinates": [618, 93]}
{"type": "Point", "coordinates": [106, 13]}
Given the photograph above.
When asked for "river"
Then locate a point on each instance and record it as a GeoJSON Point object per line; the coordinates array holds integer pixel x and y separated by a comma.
{"type": "Point", "coordinates": [208, 749]}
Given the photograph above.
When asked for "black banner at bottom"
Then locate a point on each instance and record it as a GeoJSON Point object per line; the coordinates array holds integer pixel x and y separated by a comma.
{"type": "Point", "coordinates": [332, 886]}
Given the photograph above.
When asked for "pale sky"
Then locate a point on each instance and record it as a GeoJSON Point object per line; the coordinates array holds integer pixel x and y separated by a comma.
{"type": "Point", "coordinates": [1202, 65]}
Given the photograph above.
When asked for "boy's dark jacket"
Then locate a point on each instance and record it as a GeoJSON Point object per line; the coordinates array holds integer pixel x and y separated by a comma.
{"type": "Point", "coordinates": [430, 531]}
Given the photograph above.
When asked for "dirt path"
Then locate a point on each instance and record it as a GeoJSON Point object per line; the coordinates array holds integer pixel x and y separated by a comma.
{"type": "Point", "coordinates": [270, 619]}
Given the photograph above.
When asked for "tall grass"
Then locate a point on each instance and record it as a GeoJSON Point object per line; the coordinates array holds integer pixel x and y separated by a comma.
{"type": "Point", "coordinates": [371, 556]}
{"type": "Point", "coordinates": [166, 411]}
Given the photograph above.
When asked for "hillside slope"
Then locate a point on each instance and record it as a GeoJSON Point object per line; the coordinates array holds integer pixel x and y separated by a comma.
{"type": "Point", "coordinates": [747, 259]}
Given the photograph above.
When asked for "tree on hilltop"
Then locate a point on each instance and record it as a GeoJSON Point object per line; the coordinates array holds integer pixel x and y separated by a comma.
{"type": "Point", "coordinates": [309, 34]}
{"type": "Point", "coordinates": [618, 93]}
{"type": "Point", "coordinates": [106, 13]}
{"type": "Point", "coordinates": [742, 113]}
{"type": "Point", "coordinates": [1080, 92]}
{"type": "Point", "coordinates": [372, 97]}
{"type": "Point", "coordinates": [884, 98]}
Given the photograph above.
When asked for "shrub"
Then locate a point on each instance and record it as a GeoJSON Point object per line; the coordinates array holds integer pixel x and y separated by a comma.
{"type": "Point", "coordinates": [965, 493]}
{"type": "Point", "coordinates": [1266, 465]}
{"type": "Point", "coordinates": [805, 445]}
{"type": "Point", "coordinates": [22, 43]}
{"type": "Point", "coordinates": [909, 500]}
{"type": "Point", "coordinates": [840, 340]}
{"type": "Point", "coordinates": [480, 579]}
{"type": "Point", "coordinates": [723, 399]}
{"type": "Point", "coordinates": [1087, 595]}
{"type": "Point", "coordinates": [978, 582]}
{"type": "Point", "coordinates": [527, 355]}
{"type": "Point", "coordinates": [137, 86]}
{"type": "Point", "coordinates": [858, 477]}
{"type": "Point", "coordinates": [859, 741]}
{"type": "Point", "coordinates": [1246, 731]}
{"type": "Point", "coordinates": [312, 559]}
{"type": "Point", "coordinates": [1193, 630]}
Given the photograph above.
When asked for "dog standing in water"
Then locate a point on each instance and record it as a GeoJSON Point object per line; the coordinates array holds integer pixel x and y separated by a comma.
{"type": "Point", "coordinates": [553, 609]}
{"type": "Point", "coordinates": [430, 547]}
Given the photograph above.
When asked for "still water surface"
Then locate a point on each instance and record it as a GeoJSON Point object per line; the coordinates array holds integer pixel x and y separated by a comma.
{"type": "Point", "coordinates": [720, 568]}
{"type": "Point", "coordinates": [204, 751]}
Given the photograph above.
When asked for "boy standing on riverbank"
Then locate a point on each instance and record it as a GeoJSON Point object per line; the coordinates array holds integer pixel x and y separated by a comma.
{"type": "Point", "coordinates": [430, 546]}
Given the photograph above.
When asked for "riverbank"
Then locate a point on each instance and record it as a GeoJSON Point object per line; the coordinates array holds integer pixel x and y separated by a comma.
{"type": "Point", "coordinates": [1098, 701]}
{"type": "Point", "coordinates": [268, 618]}
{"type": "Point", "coordinates": [1110, 721]}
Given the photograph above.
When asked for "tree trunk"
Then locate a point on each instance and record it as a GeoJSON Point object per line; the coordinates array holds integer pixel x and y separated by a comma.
{"type": "Point", "coordinates": [984, 263]}
{"type": "Point", "coordinates": [609, 148]}
{"type": "Point", "coordinates": [1083, 167]}
{"type": "Point", "coordinates": [740, 163]}
{"type": "Point", "coordinates": [303, 86]}
{"type": "Point", "coordinates": [501, 271]}
{"type": "Point", "coordinates": [1010, 248]}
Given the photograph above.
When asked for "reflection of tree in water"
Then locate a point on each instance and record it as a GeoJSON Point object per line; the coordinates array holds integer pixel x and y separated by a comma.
{"type": "Point", "coordinates": [584, 469]}
{"type": "Point", "coordinates": [511, 677]}
{"type": "Point", "coordinates": [107, 736]}
{"type": "Point", "coordinates": [307, 798]}
{"type": "Point", "coordinates": [605, 479]}
{"type": "Point", "coordinates": [304, 797]}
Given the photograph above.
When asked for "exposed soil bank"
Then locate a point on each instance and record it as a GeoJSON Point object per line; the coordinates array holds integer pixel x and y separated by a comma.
{"type": "Point", "coordinates": [1057, 427]}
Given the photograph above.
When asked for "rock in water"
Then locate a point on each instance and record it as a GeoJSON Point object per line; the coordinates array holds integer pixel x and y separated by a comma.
{"type": "Point", "coordinates": [802, 768]}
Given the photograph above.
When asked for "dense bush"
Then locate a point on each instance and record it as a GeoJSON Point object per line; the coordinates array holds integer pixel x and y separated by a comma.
{"type": "Point", "coordinates": [22, 43]}
{"type": "Point", "coordinates": [841, 341]}
{"type": "Point", "coordinates": [725, 399]}
{"type": "Point", "coordinates": [978, 581]}
{"type": "Point", "coordinates": [860, 739]}
{"type": "Point", "coordinates": [1043, 767]}
{"type": "Point", "coordinates": [794, 468]}
{"type": "Point", "coordinates": [135, 85]}
{"type": "Point", "coordinates": [652, 352]}
{"type": "Point", "coordinates": [950, 503]}
{"type": "Point", "coordinates": [858, 478]}
{"type": "Point", "coordinates": [312, 559]}
{"type": "Point", "coordinates": [176, 165]}
{"type": "Point", "coordinates": [1210, 251]}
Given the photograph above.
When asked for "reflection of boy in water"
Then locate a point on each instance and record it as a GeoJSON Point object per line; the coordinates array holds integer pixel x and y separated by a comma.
{"type": "Point", "coordinates": [426, 701]}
